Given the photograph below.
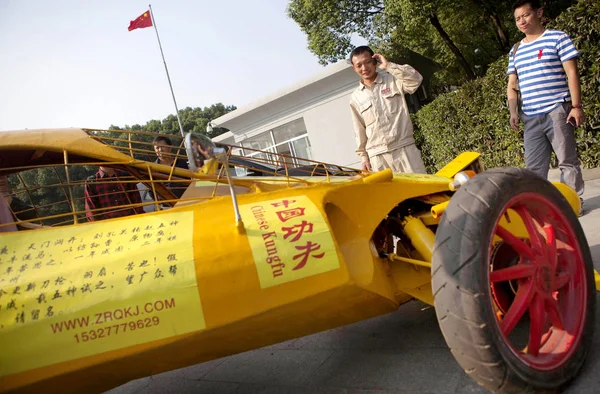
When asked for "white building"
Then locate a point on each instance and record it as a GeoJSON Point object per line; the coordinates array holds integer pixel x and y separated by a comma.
{"type": "Point", "coordinates": [310, 119]}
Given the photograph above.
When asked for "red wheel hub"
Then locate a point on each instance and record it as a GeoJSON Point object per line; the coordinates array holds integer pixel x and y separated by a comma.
{"type": "Point", "coordinates": [503, 256]}
{"type": "Point", "coordinates": [549, 304]}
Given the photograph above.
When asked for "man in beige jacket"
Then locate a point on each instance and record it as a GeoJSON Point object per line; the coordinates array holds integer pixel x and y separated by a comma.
{"type": "Point", "coordinates": [384, 132]}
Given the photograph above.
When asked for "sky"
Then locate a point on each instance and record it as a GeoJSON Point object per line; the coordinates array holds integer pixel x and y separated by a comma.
{"type": "Point", "coordinates": [73, 63]}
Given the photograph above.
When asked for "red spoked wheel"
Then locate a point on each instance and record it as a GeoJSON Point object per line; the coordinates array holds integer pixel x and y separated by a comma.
{"type": "Point", "coordinates": [514, 298]}
{"type": "Point", "coordinates": [503, 292]}
{"type": "Point", "coordinates": [551, 283]}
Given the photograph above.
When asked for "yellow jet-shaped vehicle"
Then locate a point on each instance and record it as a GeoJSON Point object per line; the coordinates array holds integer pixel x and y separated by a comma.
{"type": "Point", "coordinates": [213, 264]}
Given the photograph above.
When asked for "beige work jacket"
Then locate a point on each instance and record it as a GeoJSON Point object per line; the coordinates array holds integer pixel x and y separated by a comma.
{"type": "Point", "coordinates": [380, 114]}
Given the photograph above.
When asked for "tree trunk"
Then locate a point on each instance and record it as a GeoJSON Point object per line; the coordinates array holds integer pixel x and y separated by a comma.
{"type": "Point", "coordinates": [500, 33]}
{"type": "Point", "coordinates": [448, 41]}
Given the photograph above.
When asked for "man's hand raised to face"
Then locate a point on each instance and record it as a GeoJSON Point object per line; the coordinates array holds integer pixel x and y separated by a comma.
{"type": "Point", "coordinates": [381, 60]}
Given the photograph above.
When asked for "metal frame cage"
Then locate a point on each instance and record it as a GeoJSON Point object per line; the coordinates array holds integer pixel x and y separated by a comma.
{"type": "Point", "coordinates": [45, 187]}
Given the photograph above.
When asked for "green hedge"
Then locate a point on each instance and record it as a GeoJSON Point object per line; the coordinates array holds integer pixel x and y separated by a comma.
{"type": "Point", "coordinates": [476, 118]}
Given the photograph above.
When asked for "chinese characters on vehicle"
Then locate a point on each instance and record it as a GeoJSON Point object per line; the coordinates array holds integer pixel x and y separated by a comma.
{"type": "Point", "coordinates": [290, 240]}
{"type": "Point", "coordinates": [56, 281]}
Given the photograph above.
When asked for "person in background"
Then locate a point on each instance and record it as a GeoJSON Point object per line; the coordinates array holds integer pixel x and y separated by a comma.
{"type": "Point", "coordinates": [147, 197]}
{"type": "Point", "coordinates": [7, 220]}
{"type": "Point", "coordinates": [104, 189]}
{"type": "Point", "coordinates": [543, 67]}
{"type": "Point", "coordinates": [384, 132]}
{"type": "Point", "coordinates": [20, 210]}
{"type": "Point", "coordinates": [163, 146]}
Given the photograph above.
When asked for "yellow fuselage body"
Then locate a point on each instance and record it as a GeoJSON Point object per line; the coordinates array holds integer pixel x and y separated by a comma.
{"type": "Point", "coordinates": [221, 287]}
{"type": "Point", "coordinates": [239, 312]}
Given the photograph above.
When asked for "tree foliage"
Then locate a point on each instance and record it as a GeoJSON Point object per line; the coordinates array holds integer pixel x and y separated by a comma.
{"type": "Point", "coordinates": [330, 24]}
{"type": "Point", "coordinates": [193, 120]}
{"type": "Point", "coordinates": [46, 192]}
{"type": "Point", "coordinates": [463, 37]}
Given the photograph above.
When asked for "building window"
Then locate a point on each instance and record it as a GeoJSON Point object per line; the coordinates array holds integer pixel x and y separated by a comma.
{"type": "Point", "coordinates": [259, 142]}
{"type": "Point", "coordinates": [290, 139]}
{"type": "Point", "coordinates": [289, 131]}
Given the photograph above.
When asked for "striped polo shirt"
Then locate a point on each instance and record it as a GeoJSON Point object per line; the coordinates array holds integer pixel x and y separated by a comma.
{"type": "Point", "coordinates": [540, 72]}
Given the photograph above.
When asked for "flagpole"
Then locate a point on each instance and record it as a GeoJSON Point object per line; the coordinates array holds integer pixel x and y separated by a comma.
{"type": "Point", "coordinates": [167, 70]}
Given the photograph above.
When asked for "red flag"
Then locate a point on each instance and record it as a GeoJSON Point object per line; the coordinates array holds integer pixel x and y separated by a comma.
{"type": "Point", "coordinates": [141, 21]}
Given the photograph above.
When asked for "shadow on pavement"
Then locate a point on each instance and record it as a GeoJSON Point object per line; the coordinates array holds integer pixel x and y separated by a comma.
{"type": "Point", "coordinates": [591, 204]}
{"type": "Point", "coordinates": [595, 250]}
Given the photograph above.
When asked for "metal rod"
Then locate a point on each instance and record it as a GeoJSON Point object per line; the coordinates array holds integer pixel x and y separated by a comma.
{"type": "Point", "coordinates": [153, 188]}
{"type": "Point", "coordinates": [420, 263]}
{"type": "Point", "coordinates": [166, 69]}
{"type": "Point", "coordinates": [27, 191]}
{"type": "Point", "coordinates": [236, 209]}
{"type": "Point", "coordinates": [69, 196]}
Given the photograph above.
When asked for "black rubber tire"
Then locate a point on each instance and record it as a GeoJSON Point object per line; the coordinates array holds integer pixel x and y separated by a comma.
{"type": "Point", "coordinates": [461, 286]}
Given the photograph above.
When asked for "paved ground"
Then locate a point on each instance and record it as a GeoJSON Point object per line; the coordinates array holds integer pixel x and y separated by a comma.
{"type": "Point", "coordinates": [402, 352]}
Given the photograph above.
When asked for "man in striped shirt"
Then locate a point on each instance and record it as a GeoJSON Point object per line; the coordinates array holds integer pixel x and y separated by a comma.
{"type": "Point", "coordinates": [544, 68]}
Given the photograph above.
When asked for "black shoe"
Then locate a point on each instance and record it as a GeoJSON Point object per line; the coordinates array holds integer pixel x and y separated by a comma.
{"type": "Point", "coordinates": [581, 211]}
